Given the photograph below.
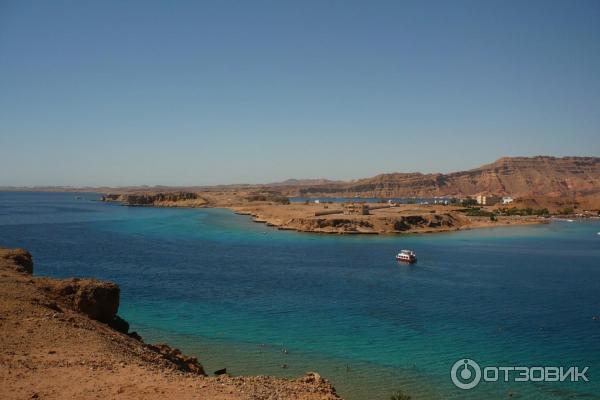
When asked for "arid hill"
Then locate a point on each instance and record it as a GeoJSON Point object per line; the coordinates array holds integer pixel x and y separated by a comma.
{"type": "Point", "coordinates": [515, 176]}
{"type": "Point", "coordinates": [62, 339]}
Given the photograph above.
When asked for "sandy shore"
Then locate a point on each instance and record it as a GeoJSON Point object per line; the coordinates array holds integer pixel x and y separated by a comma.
{"type": "Point", "coordinates": [53, 346]}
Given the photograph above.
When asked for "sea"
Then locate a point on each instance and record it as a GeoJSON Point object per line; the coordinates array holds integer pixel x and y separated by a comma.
{"type": "Point", "coordinates": [259, 301]}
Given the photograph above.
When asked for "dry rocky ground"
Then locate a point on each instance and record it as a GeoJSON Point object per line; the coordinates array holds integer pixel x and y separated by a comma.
{"type": "Point", "coordinates": [53, 345]}
{"type": "Point", "coordinates": [408, 218]}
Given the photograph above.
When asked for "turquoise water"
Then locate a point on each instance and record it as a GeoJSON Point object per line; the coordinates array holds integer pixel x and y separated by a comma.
{"type": "Point", "coordinates": [250, 298]}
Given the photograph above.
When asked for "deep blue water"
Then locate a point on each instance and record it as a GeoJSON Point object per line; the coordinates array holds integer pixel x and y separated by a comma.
{"type": "Point", "coordinates": [236, 294]}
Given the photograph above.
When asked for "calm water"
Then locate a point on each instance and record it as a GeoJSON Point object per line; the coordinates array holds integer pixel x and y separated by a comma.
{"type": "Point", "coordinates": [237, 294]}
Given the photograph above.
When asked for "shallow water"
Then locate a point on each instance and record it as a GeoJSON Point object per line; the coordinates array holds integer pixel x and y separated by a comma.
{"type": "Point", "coordinates": [237, 294]}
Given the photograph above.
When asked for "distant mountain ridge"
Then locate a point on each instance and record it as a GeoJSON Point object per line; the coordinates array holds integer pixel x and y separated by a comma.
{"type": "Point", "coordinates": [510, 176]}
{"type": "Point", "coordinates": [539, 176]}
{"type": "Point", "coordinates": [304, 182]}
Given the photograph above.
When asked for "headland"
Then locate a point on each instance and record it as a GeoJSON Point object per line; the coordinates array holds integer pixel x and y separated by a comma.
{"type": "Point", "coordinates": [56, 332]}
{"type": "Point", "coordinates": [353, 217]}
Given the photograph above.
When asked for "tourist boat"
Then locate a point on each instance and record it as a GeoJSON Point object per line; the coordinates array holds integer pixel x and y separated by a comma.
{"type": "Point", "coordinates": [408, 256]}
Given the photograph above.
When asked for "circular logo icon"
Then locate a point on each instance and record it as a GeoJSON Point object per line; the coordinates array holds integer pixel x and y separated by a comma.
{"type": "Point", "coordinates": [465, 373]}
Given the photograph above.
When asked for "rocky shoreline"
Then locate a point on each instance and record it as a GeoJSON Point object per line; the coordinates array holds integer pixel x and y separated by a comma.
{"type": "Point", "coordinates": [62, 338]}
{"type": "Point", "coordinates": [275, 211]}
{"type": "Point", "coordinates": [391, 221]}
{"type": "Point", "coordinates": [167, 199]}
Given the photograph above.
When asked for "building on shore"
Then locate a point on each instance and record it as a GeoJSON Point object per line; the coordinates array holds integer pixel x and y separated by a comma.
{"type": "Point", "coordinates": [488, 200]}
{"type": "Point", "coordinates": [507, 200]}
{"type": "Point", "coordinates": [356, 209]}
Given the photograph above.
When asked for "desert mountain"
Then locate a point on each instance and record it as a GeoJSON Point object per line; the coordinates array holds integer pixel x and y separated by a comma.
{"type": "Point", "coordinates": [514, 176]}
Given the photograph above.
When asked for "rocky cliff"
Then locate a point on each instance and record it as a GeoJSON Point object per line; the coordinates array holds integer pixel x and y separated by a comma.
{"type": "Point", "coordinates": [514, 176]}
{"type": "Point", "coordinates": [98, 300]}
{"type": "Point", "coordinates": [159, 199]}
{"type": "Point", "coordinates": [62, 339]}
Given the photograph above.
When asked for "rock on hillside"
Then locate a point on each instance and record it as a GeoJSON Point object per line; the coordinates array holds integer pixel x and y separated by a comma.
{"type": "Point", "coordinates": [19, 259]}
{"type": "Point", "coordinates": [97, 299]}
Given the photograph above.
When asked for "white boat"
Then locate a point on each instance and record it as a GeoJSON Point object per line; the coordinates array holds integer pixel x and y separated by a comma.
{"type": "Point", "coordinates": [408, 256]}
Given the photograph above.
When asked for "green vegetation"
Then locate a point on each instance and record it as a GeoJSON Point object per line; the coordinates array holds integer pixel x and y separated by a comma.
{"type": "Point", "coordinates": [566, 210]}
{"type": "Point", "coordinates": [469, 202]}
{"type": "Point", "coordinates": [476, 212]}
{"type": "Point", "coordinates": [275, 198]}
{"type": "Point", "coordinates": [399, 395]}
{"type": "Point", "coordinates": [525, 211]}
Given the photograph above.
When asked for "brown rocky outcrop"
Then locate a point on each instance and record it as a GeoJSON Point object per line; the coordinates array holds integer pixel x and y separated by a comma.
{"type": "Point", "coordinates": [325, 225]}
{"type": "Point", "coordinates": [186, 363]}
{"type": "Point", "coordinates": [165, 199]}
{"type": "Point", "coordinates": [99, 300]}
{"type": "Point", "coordinates": [20, 259]}
{"type": "Point", "coordinates": [409, 222]}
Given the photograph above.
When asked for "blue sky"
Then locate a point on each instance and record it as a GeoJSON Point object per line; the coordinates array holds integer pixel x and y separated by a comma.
{"type": "Point", "coordinates": [176, 92]}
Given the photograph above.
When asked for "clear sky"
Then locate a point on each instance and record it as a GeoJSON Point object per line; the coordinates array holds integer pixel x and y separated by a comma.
{"type": "Point", "coordinates": [203, 92]}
